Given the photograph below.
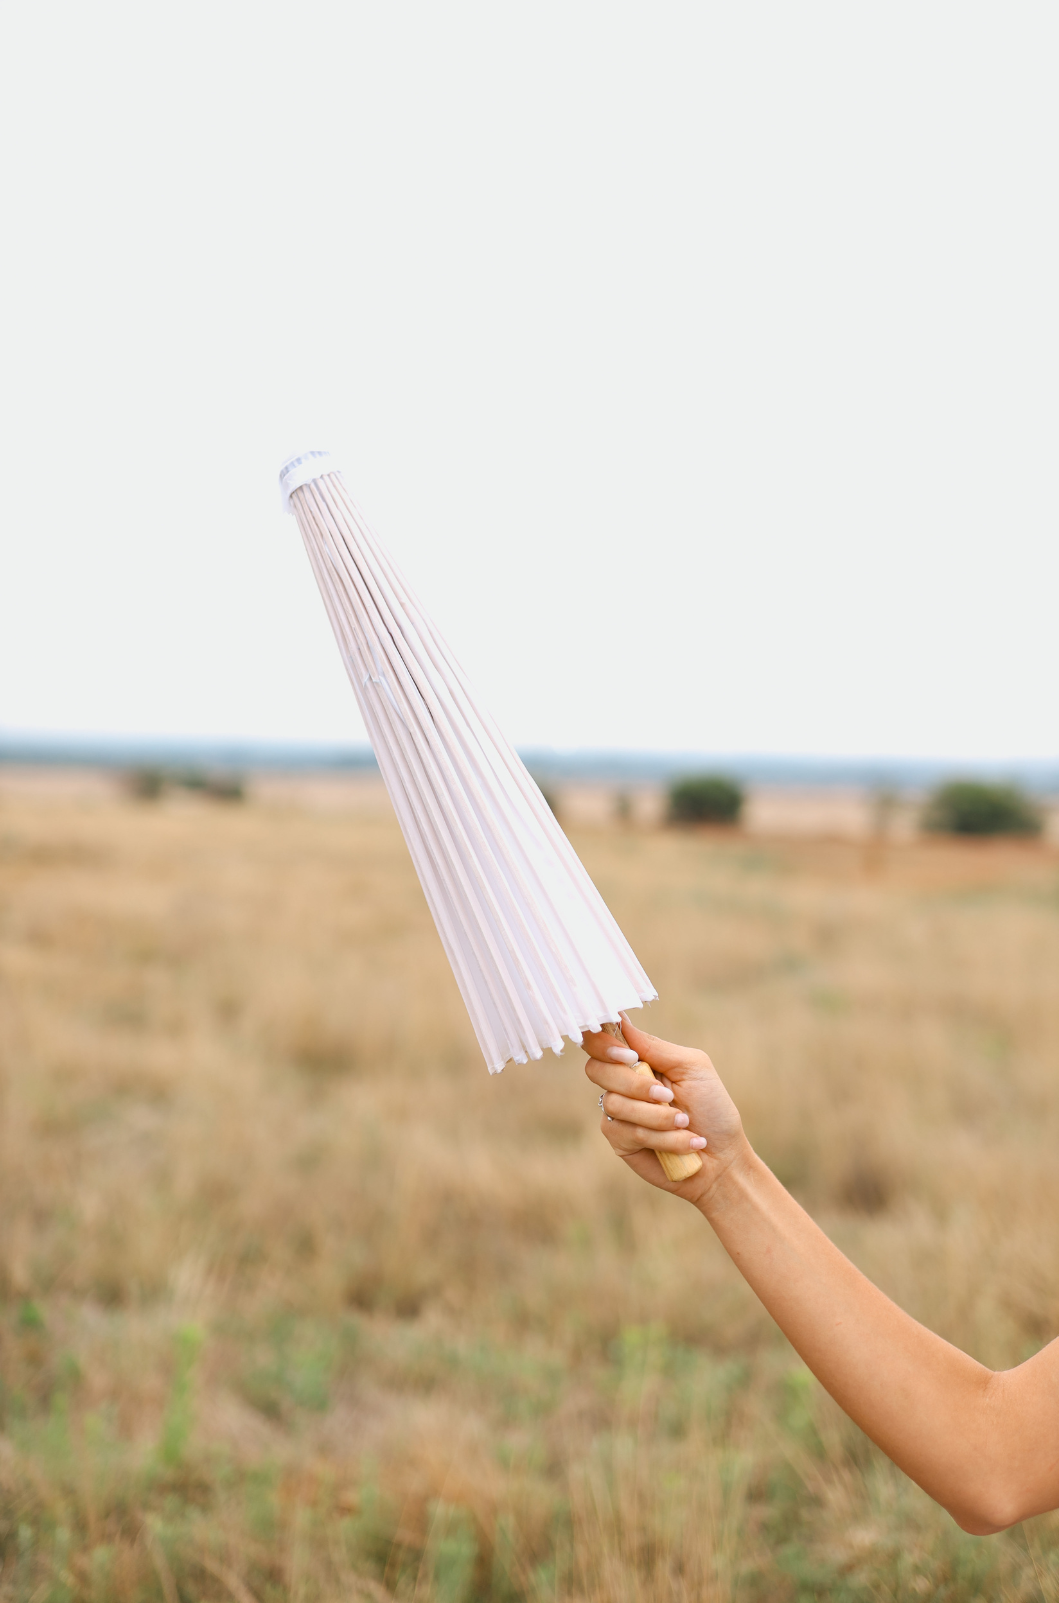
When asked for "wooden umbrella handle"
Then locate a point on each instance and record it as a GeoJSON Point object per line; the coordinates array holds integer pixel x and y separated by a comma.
{"type": "Point", "coordinates": [677, 1165]}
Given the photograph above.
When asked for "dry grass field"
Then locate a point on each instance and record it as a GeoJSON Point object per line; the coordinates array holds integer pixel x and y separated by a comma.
{"type": "Point", "coordinates": [297, 1303]}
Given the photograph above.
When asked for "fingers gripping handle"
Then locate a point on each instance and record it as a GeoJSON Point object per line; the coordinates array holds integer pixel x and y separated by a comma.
{"type": "Point", "coordinates": [677, 1165]}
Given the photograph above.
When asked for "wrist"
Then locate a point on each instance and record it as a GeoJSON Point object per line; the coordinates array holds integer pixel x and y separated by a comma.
{"type": "Point", "coordinates": [730, 1177]}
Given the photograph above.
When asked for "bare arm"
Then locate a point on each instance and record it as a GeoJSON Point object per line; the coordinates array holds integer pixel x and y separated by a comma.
{"type": "Point", "coordinates": [985, 1445]}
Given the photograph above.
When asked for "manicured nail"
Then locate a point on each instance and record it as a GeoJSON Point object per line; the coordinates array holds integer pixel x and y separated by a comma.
{"type": "Point", "coordinates": [697, 1141]}
{"type": "Point", "coordinates": [680, 1120]}
{"type": "Point", "coordinates": [660, 1093]}
{"type": "Point", "coordinates": [621, 1054]}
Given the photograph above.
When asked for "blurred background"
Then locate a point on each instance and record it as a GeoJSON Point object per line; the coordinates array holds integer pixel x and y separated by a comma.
{"type": "Point", "coordinates": [698, 364]}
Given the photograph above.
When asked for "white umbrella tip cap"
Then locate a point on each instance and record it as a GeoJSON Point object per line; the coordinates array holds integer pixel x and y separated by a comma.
{"type": "Point", "coordinates": [302, 469]}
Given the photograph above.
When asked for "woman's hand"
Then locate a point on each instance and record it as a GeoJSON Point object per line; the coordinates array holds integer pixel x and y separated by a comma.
{"type": "Point", "coordinates": [690, 1111]}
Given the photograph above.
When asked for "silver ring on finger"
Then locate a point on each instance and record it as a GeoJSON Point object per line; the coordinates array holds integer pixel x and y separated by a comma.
{"type": "Point", "coordinates": [602, 1109]}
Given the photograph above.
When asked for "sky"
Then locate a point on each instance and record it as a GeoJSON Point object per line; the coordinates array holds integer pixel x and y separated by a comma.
{"type": "Point", "coordinates": [699, 363]}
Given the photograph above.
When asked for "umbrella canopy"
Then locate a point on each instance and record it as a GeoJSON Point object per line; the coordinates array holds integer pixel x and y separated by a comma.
{"type": "Point", "coordinates": [536, 952]}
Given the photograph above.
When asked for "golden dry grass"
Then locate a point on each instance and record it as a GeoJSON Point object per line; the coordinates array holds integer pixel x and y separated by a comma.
{"type": "Point", "coordinates": [298, 1303]}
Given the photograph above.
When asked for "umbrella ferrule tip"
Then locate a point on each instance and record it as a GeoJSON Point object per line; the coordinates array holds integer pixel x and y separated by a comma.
{"type": "Point", "coordinates": [302, 469]}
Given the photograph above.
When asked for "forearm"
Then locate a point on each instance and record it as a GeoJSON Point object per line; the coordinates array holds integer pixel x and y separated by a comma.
{"type": "Point", "coordinates": [930, 1407]}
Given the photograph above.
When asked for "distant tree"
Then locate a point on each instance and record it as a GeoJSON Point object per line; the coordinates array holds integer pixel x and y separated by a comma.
{"type": "Point", "coordinates": [967, 807]}
{"type": "Point", "coordinates": [705, 799]}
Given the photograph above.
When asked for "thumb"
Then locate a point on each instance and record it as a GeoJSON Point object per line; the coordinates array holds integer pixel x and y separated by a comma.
{"type": "Point", "coordinates": [664, 1056]}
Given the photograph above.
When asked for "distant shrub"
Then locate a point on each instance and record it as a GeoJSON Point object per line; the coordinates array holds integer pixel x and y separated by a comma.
{"type": "Point", "coordinates": [148, 783]}
{"type": "Point", "coordinates": [705, 799]}
{"type": "Point", "coordinates": [225, 787]}
{"type": "Point", "coordinates": [145, 784]}
{"type": "Point", "coordinates": [220, 787]}
{"type": "Point", "coordinates": [967, 807]}
{"type": "Point", "coordinates": [885, 803]}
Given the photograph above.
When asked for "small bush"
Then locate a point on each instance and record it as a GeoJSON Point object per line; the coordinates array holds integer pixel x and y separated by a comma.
{"type": "Point", "coordinates": [967, 807]}
{"type": "Point", "coordinates": [705, 799]}
{"type": "Point", "coordinates": [219, 787]}
{"type": "Point", "coordinates": [149, 783]}
{"type": "Point", "coordinates": [225, 787]}
{"type": "Point", "coordinates": [145, 784]}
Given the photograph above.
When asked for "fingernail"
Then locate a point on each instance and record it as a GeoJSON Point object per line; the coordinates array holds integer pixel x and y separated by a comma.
{"type": "Point", "coordinates": [698, 1141]}
{"type": "Point", "coordinates": [680, 1120]}
{"type": "Point", "coordinates": [660, 1093]}
{"type": "Point", "coordinates": [621, 1054]}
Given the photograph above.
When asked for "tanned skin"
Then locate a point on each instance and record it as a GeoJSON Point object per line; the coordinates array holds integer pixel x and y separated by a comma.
{"type": "Point", "coordinates": [983, 1443]}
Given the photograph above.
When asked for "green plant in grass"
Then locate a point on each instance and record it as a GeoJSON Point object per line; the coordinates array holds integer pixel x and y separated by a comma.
{"type": "Point", "coordinates": [180, 1412]}
{"type": "Point", "coordinates": [451, 1553]}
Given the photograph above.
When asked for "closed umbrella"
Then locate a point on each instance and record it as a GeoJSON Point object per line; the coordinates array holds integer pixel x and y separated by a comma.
{"type": "Point", "coordinates": [536, 952]}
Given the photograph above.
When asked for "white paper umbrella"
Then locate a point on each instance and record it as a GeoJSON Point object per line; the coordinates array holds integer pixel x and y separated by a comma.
{"type": "Point", "coordinates": [536, 952]}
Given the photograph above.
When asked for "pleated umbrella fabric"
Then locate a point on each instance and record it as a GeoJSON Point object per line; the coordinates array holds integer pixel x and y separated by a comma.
{"type": "Point", "coordinates": [535, 950]}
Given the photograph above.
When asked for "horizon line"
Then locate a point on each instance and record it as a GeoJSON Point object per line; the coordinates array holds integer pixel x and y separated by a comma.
{"type": "Point", "coordinates": [614, 764]}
